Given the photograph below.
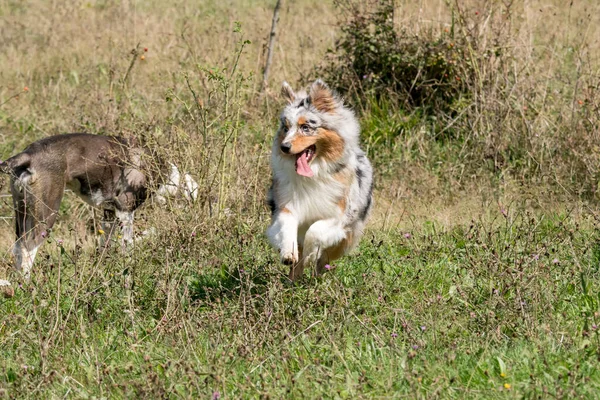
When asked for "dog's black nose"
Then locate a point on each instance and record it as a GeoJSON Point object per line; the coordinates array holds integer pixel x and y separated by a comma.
{"type": "Point", "coordinates": [286, 147]}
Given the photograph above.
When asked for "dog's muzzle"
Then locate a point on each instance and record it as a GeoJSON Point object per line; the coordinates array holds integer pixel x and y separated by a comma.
{"type": "Point", "coordinates": [286, 147]}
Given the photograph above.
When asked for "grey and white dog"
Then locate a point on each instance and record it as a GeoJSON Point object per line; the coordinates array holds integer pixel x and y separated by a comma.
{"type": "Point", "coordinates": [322, 190]}
{"type": "Point", "coordinates": [112, 173]}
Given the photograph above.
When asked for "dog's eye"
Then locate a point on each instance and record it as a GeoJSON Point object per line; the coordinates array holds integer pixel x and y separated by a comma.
{"type": "Point", "coordinates": [305, 128]}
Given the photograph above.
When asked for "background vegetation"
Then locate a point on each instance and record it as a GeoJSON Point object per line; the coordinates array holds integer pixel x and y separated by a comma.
{"type": "Point", "coordinates": [478, 276]}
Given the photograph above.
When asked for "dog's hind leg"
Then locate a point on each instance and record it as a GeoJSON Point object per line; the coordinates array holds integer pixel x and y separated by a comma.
{"type": "Point", "coordinates": [36, 200]}
{"type": "Point", "coordinates": [334, 252]}
{"type": "Point", "coordinates": [323, 239]}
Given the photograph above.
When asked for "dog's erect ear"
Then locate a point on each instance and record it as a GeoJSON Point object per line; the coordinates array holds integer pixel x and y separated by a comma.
{"type": "Point", "coordinates": [322, 97]}
{"type": "Point", "coordinates": [288, 92]}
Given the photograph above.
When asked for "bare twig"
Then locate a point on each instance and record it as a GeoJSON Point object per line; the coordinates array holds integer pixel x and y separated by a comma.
{"type": "Point", "coordinates": [271, 45]}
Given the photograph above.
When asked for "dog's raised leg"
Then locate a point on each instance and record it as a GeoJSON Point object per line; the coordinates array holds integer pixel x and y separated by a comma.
{"type": "Point", "coordinates": [283, 234]}
{"type": "Point", "coordinates": [324, 241]}
{"type": "Point", "coordinates": [36, 199]}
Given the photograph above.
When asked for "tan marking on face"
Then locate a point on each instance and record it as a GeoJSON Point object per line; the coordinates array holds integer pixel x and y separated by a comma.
{"type": "Point", "coordinates": [285, 210]}
{"type": "Point", "coordinates": [301, 121]}
{"type": "Point", "coordinates": [330, 145]}
{"type": "Point", "coordinates": [301, 143]}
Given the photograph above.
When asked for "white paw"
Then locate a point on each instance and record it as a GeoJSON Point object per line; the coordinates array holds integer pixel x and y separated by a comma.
{"type": "Point", "coordinates": [289, 257]}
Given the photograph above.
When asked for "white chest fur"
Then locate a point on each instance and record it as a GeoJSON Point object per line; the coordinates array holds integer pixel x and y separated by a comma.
{"type": "Point", "coordinates": [310, 199]}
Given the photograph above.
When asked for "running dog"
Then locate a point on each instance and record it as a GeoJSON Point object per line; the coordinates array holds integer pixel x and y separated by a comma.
{"type": "Point", "coordinates": [112, 173]}
{"type": "Point", "coordinates": [322, 189]}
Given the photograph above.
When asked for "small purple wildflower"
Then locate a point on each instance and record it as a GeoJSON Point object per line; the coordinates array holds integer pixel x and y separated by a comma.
{"type": "Point", "coordinates": [394, 335]}
{"type": "Point", "coordinates": [423, 327]}
{"type": "Point", "coordinates": [364, 76]}
{"type": "Point", "coordinates": [407, 235]}
{"type": "Point", "coordinates": [44, 234]}
{"type": "Point", "coordinates": [242, 271]}
{"type": "Point", "coordinates": [594, 326]}
{"type": "Point", "coordinates": [194, 234]}
{"type": "Point", "coordinates": [327, 267]}
{"type": "Point", "coordinates": [496, 292]}
{"type": "Point", "coordinates": [555, 261]}
{"type": "Point", "coordinates": [536, 257]}
{"type": "Point", "coordinates": [415, 347]}
{"type": "Point", "coordinates": [216, 395]}
{"type": "Point", "coordinates": [503, 211]}
{"type": "Point", "coordinates": [60, 242]}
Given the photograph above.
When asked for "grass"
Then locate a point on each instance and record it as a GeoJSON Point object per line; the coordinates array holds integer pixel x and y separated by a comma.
{"type": "Point", "coordinates": [494, 310]}
{"type": "Point", "coordinates": [478, 276]}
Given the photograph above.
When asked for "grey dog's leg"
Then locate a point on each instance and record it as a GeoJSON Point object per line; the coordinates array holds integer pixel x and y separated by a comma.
{"type": "Point", "coordinates": [36, 199]}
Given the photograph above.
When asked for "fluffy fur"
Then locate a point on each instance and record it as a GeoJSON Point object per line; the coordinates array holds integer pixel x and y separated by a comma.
{"type": "Point", "coordinates": [318, 214]}
{"type": "Point", "coordinates": [108, 172]}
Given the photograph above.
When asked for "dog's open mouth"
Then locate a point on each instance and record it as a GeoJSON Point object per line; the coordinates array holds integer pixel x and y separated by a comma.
{"type": "Point", "coordinates": [303, 159]}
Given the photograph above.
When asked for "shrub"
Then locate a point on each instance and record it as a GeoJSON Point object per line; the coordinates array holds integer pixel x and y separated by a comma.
{"type": "Point", "coordinates": [373, 59]}
{"type": "Point", "coordinates": [485, 94]}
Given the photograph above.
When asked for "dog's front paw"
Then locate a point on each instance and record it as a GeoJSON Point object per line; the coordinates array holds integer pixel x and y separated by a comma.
{"type": "Point", "coordinates": [289, 258]}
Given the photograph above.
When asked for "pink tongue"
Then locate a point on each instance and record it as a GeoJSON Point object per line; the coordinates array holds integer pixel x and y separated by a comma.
{"type": "Point", "coordinates": [302, 167]}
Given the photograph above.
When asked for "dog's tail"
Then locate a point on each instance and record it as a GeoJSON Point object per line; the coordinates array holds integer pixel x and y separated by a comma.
{"type": "Point", "coordinates": [19, 162]}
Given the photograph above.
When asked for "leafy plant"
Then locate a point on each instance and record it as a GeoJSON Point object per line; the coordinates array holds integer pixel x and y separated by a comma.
{"type": "Point", "coordinates": [373, 58]}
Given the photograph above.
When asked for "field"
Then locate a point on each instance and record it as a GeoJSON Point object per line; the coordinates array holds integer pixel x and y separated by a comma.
{"type": "Point", "coordinates": [478, 275]}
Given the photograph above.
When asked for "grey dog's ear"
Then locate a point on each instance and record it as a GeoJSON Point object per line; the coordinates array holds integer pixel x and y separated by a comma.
{"type": "Point", "coordinates": [322, 97]}
{"type": "Point", "coordinates": [288, 92]}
